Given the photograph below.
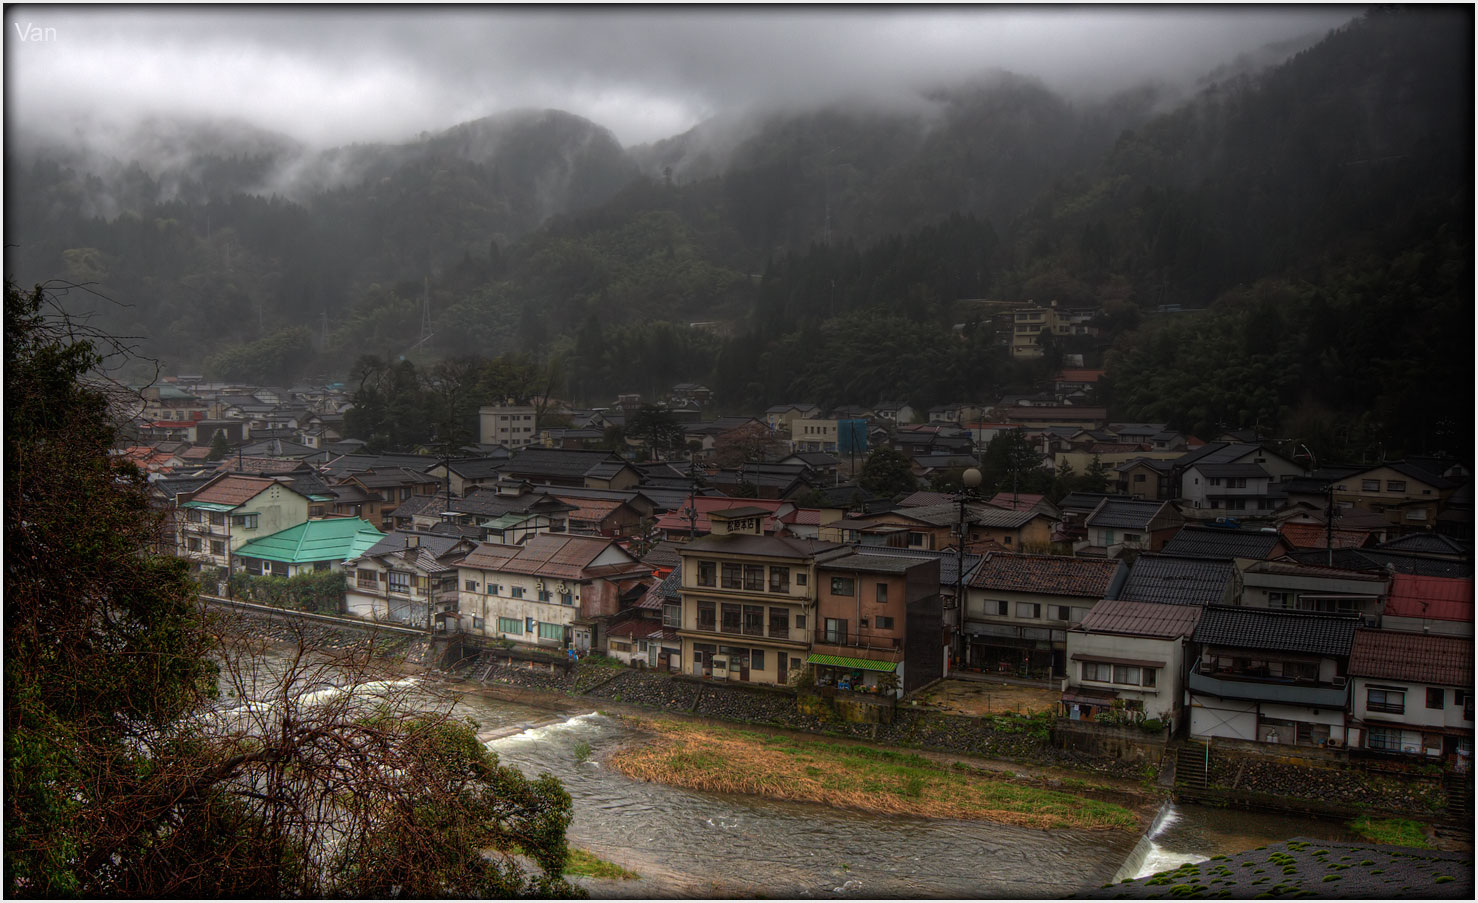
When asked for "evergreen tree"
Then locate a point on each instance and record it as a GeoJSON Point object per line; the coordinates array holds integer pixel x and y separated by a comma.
{"type": "Point", "coordinates": [887, 472]}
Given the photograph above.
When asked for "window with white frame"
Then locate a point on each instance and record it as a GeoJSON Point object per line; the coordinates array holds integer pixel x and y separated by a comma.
{"type": "Point", "coordinates": [400, 582]}
{"type": "Point", "coordinates": [1028, 610]}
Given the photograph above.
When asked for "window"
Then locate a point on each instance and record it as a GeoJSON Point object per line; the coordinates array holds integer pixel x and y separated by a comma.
{"type": "Point", "coordinates": [1213, 481]}
{"type": "Point", "coordinates": [672, 615]}
{"type": "Point", "coordinates": [800, 622]}
{"type": "Point", "coordinates": [915, 540]}
{"type": "Point", "coordinates": [757, 659]}
{"type": "Point", "coordinates": [366, 579]}
{"type": "Point", "coordinates": [754, 620]}
{"type": "Point", "coordinates": [732, 573]}
{"type": "Point", "coordinates": [732, 618]}
{"type": "Point", "coordinates": [217, 547]}
{"type": "Point", "coordinates": [1139, 478]}
{"type": "Point", "coordinates": [400, 582]}
{"type": "Point", "coordinates": [217, 519]}
{"type": "Point", "coordinates": [999, 607]}
{"type": "Point", "coordinates": [800, 578]}
{"type": "Point", "coordinates": [193, 544]}
{"type": "Point", "coordinates": [194, 516]}
{"type": "Point", "coordinates": [516, 592]}
{"type": "Point", "coordinates": [471, 586]}
{"type": "Point", "coordinates": [548, 631]}
{"type": "Point", "coordinates": [1370, 485]}
{"type": "Point", "coordinates": [835, 630]}
{"type": "Point", "coordinates": [545, 595]}
{"type": "Point", "coordinates": [1126, 674]}
{"type": "Point", "coordinates": [1133, 537]}
{"type": "Point", "coordinates": [1384, 738]}
{"type": "Point", "coordinates": [883, 622]}
{"type": "Point", "coordinates": [246, 521]}
{"type": "Point", "coordinates": [1006, 540]}
{"type": "Point", "coordinates": [253, 566]}
{"type": "Point", "coordinates": [1236, 482]}
{"type": "Point", "coordinates": [1149, 677]}
{"type": "Point", "coordinates": [1096, 671]}
{"type": "Point", "coordinates": [779, 623]}
{"type": "Point", "coordinates": [1278, 600]}
{"type": "Point", "coordinates": [1393, 701]}
{"type": "Point", "coordinates": [843, 586]}
{"type": "Point", "coordinates": [779, 580]}
{"type": "Point", "coordinates": [1028, 610]}
{"type": "Point", "coordinates": [1436, 697]}
{"type": "Point", "coordinates": [567, 598]}
{"type": "Point", "coordinates": [707, 616]}
{"type": "Point", "coordinates": [882, 592]}
{"type": "Point", "coordinates": [754, 578]}
{"type": "Point", "coordinates": [706, 571]}
{"type": "Point", "coordinates": [494, 588]}
{"type": "Point", "coordinates": [1236, 504]}
{"type": "Point", "coordinates": [1395, 485]}
{"type": "Point", "coordinates": [322, 566]}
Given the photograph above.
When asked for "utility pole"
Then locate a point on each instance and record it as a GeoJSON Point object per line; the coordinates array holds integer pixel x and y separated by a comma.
{"type": "Point", "coordinates": [969, 480]}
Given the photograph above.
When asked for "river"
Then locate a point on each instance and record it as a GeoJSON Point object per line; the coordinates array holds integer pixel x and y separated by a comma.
{"type": "Point", "coordinates": [691, 844]}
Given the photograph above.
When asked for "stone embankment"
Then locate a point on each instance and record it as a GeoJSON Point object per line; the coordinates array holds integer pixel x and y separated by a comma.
{"type": "Point", "coordinates": [1350, 787]}
{"type": "Point", "coordinates": [961, 734]}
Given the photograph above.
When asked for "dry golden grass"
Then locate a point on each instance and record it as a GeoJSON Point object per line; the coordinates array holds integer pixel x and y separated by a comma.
{"type": "Point", "coordinates": [724, 760]}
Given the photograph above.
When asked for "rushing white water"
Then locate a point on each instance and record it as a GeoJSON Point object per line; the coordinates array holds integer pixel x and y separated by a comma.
{"type": "Point", "coordinates": [1158, 858]}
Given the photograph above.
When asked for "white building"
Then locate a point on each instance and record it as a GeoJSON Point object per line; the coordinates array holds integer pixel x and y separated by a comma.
{"type": "Point", "coordinates": [507, 425]}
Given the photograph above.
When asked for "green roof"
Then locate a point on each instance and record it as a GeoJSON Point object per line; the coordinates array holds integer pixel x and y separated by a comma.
{"type": "Point", "coordinates": [857, 664]}
{"type": "Point", "coordinates": [209, 506]}
{"type": "Point", "coordinates": [332, 539]}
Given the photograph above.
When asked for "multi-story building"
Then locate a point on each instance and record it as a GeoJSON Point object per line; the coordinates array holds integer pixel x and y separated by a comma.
{"type": "Point", "coordinates": [749, 600]}
{"type": "Point", "coordinates": [1018, 609]}
{"type": "Point", "coordinates": [1413, 694]}
{"type": "Point", "coordinates": [507, 425]}
{"type": "Point", "coordinates": [878, 615]}
{"type": "Point", "coordinates": [231, 510]}
{"type": "Point", "coordinates": [554, 590]}
{"type": "Point", "coordinates": [1029, 324]}
{"type": "Point", "coordinates": [406, 578]}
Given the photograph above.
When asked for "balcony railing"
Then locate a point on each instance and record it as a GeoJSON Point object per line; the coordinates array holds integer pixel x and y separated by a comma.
{"type": "Point", "coordinates": [1270, 689]}
{"type": "Point", "coordinates": [860, 639]}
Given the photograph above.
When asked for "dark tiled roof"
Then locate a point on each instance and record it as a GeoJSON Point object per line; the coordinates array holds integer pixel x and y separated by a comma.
{"type": "Point", "coordinates": [1424, 543]}
{"type": "Point", "coordinates": [567, 463]}
{"type": "Point", "coordinates": [872, 564]}
{"type": "Point", "coordinates": [1128, 513]}
{"type": "Point", "coordinates": [949, 562]}
{"type": "Point", "coordinates": [745, 544]}
{"type": "Point", "coordinates": [664, 555]}
{"type": "Point", "coordinates": [1419, 658]}
{"type": "Point", "coordinates": [1049, 574]}
{"type": "Point", "coordinates": [1212, 542]}
{"type": "Point", "coordinates": [1276, 631]}
{"type": "Point", "coordinates": [1152, 619]}
{"type": "Point", "coordinates": [1087, 501]}
{"type": "Point", "coordinates": [399, 540]}
{"type": "Point", "coordinates": [478, 468]}
{"type": "Point", "coordinates": [1178, 579]}
{"type": "Point", "coordinates": [1371, 559]}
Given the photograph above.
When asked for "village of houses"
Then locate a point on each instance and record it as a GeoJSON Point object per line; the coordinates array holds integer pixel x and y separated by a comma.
{"type": "Point", "coordinates": [1219, 590]}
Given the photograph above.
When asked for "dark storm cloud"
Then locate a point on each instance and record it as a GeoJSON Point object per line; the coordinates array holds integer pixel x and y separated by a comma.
{"type": "Point", "coordinates": [337, 74]}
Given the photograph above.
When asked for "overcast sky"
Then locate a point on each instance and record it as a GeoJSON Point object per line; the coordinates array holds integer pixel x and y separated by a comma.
{"type": "Point", "coordinates": [329, 75]}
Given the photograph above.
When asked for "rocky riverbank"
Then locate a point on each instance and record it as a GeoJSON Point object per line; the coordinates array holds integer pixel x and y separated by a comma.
{"type": "Point", "coordinates": [1340, 786]}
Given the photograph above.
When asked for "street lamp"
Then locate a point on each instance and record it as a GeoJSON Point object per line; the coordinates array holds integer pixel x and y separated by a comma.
{"type": "Point", "coordinates": [969, 482]}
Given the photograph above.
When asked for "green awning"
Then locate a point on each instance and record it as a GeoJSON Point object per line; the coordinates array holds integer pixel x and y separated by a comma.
{"type": "Point", "coordinates": [209, 506]}
{"type": "Point", "coordinates": [857, 664]}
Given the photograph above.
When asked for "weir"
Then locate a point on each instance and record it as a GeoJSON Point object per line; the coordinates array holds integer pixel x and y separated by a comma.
{"type": "Point", "coordinates": [1148, 857]}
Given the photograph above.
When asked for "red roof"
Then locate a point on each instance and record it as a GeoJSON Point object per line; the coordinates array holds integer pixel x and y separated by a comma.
{"type": "Point", "coordinates": [1419, 658]}
{"type": "Point", "coordinates": [1023, 502]}
{"type": "Point", "coordinates": [678, 520]}
{"type": "Point", "coordinates": [1054, 575]}
{"type": "Point", "coordinates": [1438, 598]}
{"type": "Point", "coordinates": [1312, 536]}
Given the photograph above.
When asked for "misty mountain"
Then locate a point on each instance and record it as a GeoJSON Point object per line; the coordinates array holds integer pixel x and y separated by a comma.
{"type": "Point", "coordinates": [537, 230]}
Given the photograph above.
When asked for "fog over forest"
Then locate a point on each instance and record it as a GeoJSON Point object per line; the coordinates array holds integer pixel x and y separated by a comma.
{"type": "Point", "coordinates": [327, 75]}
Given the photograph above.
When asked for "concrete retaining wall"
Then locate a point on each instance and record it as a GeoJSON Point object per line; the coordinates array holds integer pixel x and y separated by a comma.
{"type": "Point", "coordinates": [1125, 743]}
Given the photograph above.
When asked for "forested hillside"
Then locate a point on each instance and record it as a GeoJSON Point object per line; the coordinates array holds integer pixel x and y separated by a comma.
{"type": "Point", "coordinates": [1318, 214]}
